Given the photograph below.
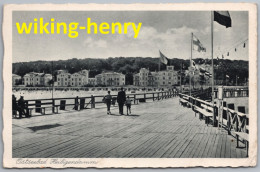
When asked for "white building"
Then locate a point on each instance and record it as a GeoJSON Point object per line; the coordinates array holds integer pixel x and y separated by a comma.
{"type": "Point", "coordinates": [110, 79]}
{"type": "Point", "coordinates": [63, 78]}
{"type": "Point", "coordinates": [166, 78]}
{"type": "Point", "coordinates": [16, 79]}
{"type": "Point", "coordinates": [78, 79]}
{"type": "Point", "coordinates": [169, 77]}
{"type": "Point", "coordinates": [37, 79]}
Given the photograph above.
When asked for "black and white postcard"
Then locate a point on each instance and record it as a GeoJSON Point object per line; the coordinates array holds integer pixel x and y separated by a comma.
{"type": "Point", "coordinates": [125, 86]}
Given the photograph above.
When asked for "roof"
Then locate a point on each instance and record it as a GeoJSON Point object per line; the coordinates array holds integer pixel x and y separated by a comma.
{"type": "Point", "coordinates": [14, 75]}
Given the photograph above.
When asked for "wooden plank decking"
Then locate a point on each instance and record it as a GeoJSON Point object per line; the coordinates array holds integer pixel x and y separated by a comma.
{"type": "Point", "coordinates": [160, 129]}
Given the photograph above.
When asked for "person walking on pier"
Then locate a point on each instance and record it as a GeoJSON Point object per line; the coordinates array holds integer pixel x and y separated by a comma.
{"type": "Point", "coordinates": [108, 99]}
{"type": "Point", "coordinates": [22, 107]}
{"type": "Point", "coordinates": [128, 105]}
{"type": "Point", "coordinates": [121, 98]}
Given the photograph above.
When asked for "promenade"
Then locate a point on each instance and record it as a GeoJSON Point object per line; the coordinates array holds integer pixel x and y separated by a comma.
{"type": "Point", "coordinates": [159, 129]}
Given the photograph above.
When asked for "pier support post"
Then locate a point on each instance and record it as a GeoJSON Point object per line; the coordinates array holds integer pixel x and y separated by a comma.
{"type": "Point", "coordinates": [53, 106]}
{"type": "Point", "coordinates": [27, 108]}
{"type": "Point", "coordinates": [76, 103]}
{"type": "Point", "coordinates": [153, 96]}
{"type": "Point", "coordinates": [215, 112]}
{"type": "Point", "coordinates": [134, 99]}
{"type": "Point", "coordinates": [144, 97]}
{"type": "Point", "coordinates": [158, 96]}
{"type": "Point", "coordinates": [92, 101]}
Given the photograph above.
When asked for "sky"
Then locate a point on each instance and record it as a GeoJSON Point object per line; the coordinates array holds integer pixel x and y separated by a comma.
{"type": "Point", "coordinates": [167, 31]}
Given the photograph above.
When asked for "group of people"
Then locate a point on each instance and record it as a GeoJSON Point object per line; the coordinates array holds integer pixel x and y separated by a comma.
{"type": "Point", "coordinates": [121, 100]}
{"type": "Point", "coordinates": [19, 106]}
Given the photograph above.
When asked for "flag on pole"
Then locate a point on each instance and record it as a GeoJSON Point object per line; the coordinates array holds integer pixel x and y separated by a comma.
{"type": "Point", "coordinates": [202, 70]}
{"type": "Point", "coordinates": [197, 45]}
{"type": "Point", "coordinates": [207, 73]}
{"type": "Point", "coordinates": [163, 58]}
{"type": "Point", "coordinates": [193, 64]}
{"type": "Point", "coordinates": [223, 18]}
{"type": "Point", "coordinates": [227, 76]}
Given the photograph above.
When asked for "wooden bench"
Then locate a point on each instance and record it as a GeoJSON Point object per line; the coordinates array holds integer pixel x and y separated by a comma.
{"type": "Point", "coordinates": [42, 109]}
{"type": "Point", "coordinates": [183, 102]}
{"type": "Point", "coordinates": [204, 113]}
{"type": "Point", "coordinates": [245, 137]}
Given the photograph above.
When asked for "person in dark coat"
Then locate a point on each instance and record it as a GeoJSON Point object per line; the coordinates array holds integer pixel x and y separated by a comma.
{"type": "Point", "coordinates": [121, 98]}
{"type": "Point", "coordinates": [21, 107]}
{"type": "Point", "coordinates": [108, 99]}
{"type": "Point", "coordinates": [14, 105]}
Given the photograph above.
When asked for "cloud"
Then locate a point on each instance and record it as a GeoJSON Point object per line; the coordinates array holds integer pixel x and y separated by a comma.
{"type": "Point", "coordinates": [91, 43]}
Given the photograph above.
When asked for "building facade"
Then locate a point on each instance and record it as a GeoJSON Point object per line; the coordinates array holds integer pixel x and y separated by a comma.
{"type": "Point", "coordinates": [166, 78]}
{"type": "Point", "coordinates": [78, 79]}
{"type": "Point", "coordinates": [16, 79]}
{"type": "Point", "coordinates": [110, 79]}
{"type": "Point", "coordinates": [63, 78]}
{"type": "Point", "coordinates": [37, 79]}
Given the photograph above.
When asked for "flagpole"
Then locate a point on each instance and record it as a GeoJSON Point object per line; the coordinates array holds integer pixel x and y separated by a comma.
{"type": "Point", "coordinates": [212, 70]}
{"type": "Point", "coordinates": [190, 59]}
{"type": "Point", "coordinates": [159, 65]}
{"type": "Point", "coordinates": [212, 64]}
{"type": "Point", "coordinates": [181, 77]}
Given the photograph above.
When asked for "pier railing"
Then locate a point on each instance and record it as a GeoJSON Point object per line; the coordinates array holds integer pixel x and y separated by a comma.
{"type": "Point", "coordinates": [224, 115]}
{"type": "Point", "coordinates": [80, 103]}
{"type": "Point", "coordinates": [227, 93]}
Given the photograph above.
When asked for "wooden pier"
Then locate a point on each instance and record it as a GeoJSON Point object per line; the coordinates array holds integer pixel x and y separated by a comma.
{"type": "Point", "coordinates": [158, 129]}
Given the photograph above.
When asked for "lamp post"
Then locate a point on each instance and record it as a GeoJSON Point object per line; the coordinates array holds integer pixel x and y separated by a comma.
{"type": "Point", "coordinates": [237, 77]}
{"type": "Point", "coordinates": [52, 79]}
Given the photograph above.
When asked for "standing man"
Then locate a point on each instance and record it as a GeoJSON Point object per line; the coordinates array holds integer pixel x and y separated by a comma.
{"type": "Point", "coordinates": [22, 107]}
{"type": "Point", "coordinates": [121, 98]}
{"type": "Point", "coordinates": [14, 105]}
{"type": "Point", "coordinates": [108, 99]}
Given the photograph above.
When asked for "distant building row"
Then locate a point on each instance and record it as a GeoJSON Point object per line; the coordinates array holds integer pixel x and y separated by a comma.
{"type": "Point", "coordinates": [65, 79]}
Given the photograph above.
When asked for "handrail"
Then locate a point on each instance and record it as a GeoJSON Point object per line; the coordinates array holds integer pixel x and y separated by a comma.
{"type": "Point", "coordinates": [67, 98]}
{"type": "Point", "coordinates": [79, 103]}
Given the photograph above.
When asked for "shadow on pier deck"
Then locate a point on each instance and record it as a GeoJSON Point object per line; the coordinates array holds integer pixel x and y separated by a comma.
{"type": "Point", "coordinates": [160, 129]}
